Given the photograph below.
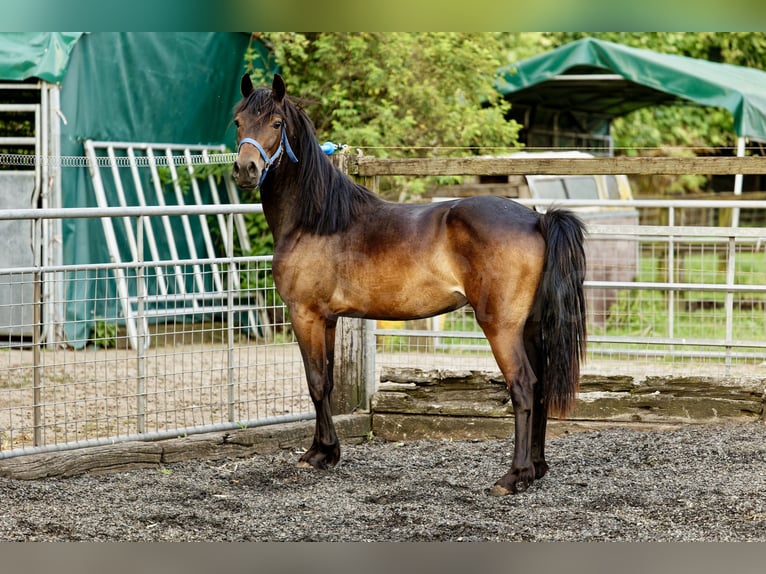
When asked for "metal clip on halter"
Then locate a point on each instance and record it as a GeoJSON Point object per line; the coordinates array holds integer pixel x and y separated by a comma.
{"type": "Point", "coordinates": [329, 148]}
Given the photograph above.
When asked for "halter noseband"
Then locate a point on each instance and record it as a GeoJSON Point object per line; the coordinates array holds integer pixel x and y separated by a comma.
{"type": "Point", "coordinates": [284, 144]}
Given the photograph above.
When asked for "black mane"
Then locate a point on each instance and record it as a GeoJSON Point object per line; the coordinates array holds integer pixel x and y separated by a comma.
{"type": "Point", "coordinates": [330, 200]}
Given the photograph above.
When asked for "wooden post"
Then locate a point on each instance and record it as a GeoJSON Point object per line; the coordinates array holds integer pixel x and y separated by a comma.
{"type": "Point", "coordinates": [351, 391]}
{"type": "Point", "coordinates": [351, 385]}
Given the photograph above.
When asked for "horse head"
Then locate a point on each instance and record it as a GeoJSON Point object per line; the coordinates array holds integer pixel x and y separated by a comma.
{"type": "Point", "coordinates": [261, 132]}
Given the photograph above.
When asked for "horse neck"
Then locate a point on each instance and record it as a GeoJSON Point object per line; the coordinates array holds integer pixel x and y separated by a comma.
{"type": "Point", "coordinates": [280, 200]}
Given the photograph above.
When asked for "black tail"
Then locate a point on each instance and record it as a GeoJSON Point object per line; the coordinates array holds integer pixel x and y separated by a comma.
{"type": "Point", "coordinates": [563, 308]}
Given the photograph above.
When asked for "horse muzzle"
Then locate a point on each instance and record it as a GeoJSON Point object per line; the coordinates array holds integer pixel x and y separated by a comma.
{"type": "Point", "coordinates": [246, 173]}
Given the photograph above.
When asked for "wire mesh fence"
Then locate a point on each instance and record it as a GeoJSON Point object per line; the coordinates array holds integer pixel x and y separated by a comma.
{"type": "Point", "coordinates": [205, 360]}
{"type": "Point", "coordinates": [662, 300]}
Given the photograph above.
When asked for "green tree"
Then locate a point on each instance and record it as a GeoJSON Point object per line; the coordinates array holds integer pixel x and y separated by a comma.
{"type": "Point", "coordinates": [391, 95]}
{"type": "Point", "coordinates": [395, 94]}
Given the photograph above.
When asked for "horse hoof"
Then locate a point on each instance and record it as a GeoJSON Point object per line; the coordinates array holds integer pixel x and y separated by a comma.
{"type": "Point", "coordinates": [303, 464]}
{"type": "Point", "coordinates": [522, 485]}
{"type": "Point", "coordinates": [498, 490]}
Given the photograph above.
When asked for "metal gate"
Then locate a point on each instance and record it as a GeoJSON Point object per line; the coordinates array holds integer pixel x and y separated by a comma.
{"type": "Point", "coordinates": [114, 186]}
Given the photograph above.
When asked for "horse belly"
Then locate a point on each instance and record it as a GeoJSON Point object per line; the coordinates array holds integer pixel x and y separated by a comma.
{"type": "Point", "coordinates": [397, 297]}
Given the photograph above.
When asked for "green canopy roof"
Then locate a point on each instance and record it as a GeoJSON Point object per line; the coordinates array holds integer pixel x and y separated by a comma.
{"type": "Point", "coordinates": [43, 55]}
{"type": "Point", "coordinates": [600, 77]}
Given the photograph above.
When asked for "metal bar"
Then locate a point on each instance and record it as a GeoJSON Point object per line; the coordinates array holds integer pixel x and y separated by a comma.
{"type": "Point", "coordinates": [128, 224]}
{"type": "Point", "coordinates": [18, 107]}
{"type": "Point", "coordinates": [729, 300]}
{"type": "Point", "coordinates": [712, 287]}
{"type": "Point", "coordinates": [112, 245]}
{"type": "Point", "coordinates": [680, 240]}
{"type": "Point", "coordinates": [207, 240]}
{"type": "Point", "coordinates": [146, 146]}
{"type": "Point", "coordinates": [605, 339]}
{"type": "Point", "coordinates": [155, 256]}
{"type": "Point", "coordinates": [738, 182]}
{"type": "Point", "coordinates": [672, 230]}
{"type": "Point", "coordinates": [133, 265]}
{"type": "Point", "coordinates": [675, 341]}
{"type": "Point", "coordinates": [45, 186]}
{"type": "Point", "coordinates": [662, 353]}
{"type": "Point", "coordinates": [160, 435]}
{"type": "Point", "coordinates": [18, 140]}
{"type": "Point", "coordinates": [645, 353]}
{"type": "Point", "coordinates": [53, 199]}
{"type": "Point", "coordinates": [230, 322]}
{"type": "Point", "coordinates": [671, 271]}
{"type": "Point", "coordinates": [216, 201]}
{"type": "Point", "coordinates": [221, 308]}
{"type": "Point", "coordinates": [37, 380]}
{"type": "Point", "coordinates": [242, 208]}
{"type": "Point", "coordinates": [678, 203]}
{"type": "Point", "coordinates": [160, 198]}
{"type": "Point", "coordinates": [131, 211]}
{"type": "Point", "coordinates": [142, 335]}
{"type": "Point", "coordinates": [17, 86]}
{"type": "Point", "coordinates": [190, 244]}
{"type": "Point", "coordinates": [39, 258]}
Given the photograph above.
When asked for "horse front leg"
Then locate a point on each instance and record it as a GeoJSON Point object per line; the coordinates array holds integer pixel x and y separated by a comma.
{"type": "Point", "coordinates": [316, 339]}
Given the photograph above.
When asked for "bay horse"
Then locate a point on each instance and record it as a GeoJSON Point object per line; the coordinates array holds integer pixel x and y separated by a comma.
{"type": "Point", "coordinates": [340, 250]}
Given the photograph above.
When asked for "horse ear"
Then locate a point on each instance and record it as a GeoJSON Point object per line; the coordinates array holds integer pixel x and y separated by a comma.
{"type": "Point", "coordinates": [246, 85]}
{"type": "Point", "coordinates": [278, 89]}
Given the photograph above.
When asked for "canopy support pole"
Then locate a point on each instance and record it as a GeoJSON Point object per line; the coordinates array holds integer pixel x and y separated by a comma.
{"type": "Point", "coordinates": [738, 182]}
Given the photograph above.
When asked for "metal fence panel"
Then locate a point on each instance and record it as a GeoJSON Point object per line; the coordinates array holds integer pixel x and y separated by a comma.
{"type": "Point", "coordinates": [229, 363]}
{"type": "Point", "coordinates": [697, 305]}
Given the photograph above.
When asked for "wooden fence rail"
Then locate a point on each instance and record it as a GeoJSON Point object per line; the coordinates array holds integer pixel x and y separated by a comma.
{"type": "Point", "coordinates": [365, 166]}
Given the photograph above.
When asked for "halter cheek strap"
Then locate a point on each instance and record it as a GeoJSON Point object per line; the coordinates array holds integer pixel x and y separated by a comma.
{"type": "Point", "coordinates": [284, 145]}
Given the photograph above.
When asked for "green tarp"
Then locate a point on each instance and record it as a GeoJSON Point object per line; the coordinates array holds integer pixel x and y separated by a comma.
{"type": "Point", "coordinates": [648, 78]}
{"type": "Point", "coordinates": [43, 55]}
{"type": "Point", "coordinates": [173, 87]}
{"type": "Point", "coordinates": [137, 87]}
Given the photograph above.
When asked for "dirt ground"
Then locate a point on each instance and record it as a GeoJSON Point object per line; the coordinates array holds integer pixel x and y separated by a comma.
{"type": "Point", "coordinates": [695, 483]}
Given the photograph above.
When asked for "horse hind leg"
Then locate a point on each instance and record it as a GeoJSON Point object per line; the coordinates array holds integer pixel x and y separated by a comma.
{"type": "Point", "coordinates": [508, 348]}
{"type": "Point", "coordinates": [532, 344]}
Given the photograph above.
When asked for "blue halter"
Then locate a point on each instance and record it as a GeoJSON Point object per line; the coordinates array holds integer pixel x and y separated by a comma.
{"type": "Point", "coordinates": [284, 144]}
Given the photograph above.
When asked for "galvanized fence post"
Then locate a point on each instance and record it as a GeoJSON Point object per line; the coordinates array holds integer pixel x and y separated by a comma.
{"type": "Point", "coordinates": [141, 329]}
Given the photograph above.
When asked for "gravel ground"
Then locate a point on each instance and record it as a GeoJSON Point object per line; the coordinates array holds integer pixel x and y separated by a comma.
{"type": "Point", "coordinates": [696, 483]}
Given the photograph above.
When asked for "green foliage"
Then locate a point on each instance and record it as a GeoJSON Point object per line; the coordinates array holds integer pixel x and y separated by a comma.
{"type": "Point", "coordinates": [201, 171]}
{"type": "Point", "coordinates": [396, 94]}
{"type": "Point", "coordinates": [400, 93]}
{"type": "Point", "coordinates": [105, 334]}
{"type": "Point", "coordinates": [261, 242]}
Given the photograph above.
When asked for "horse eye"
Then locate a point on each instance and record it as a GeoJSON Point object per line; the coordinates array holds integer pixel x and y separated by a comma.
{"type": "Point", "coordinates": [236, 123]}
{"type": "Point", "coordinates": [277, 124]}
